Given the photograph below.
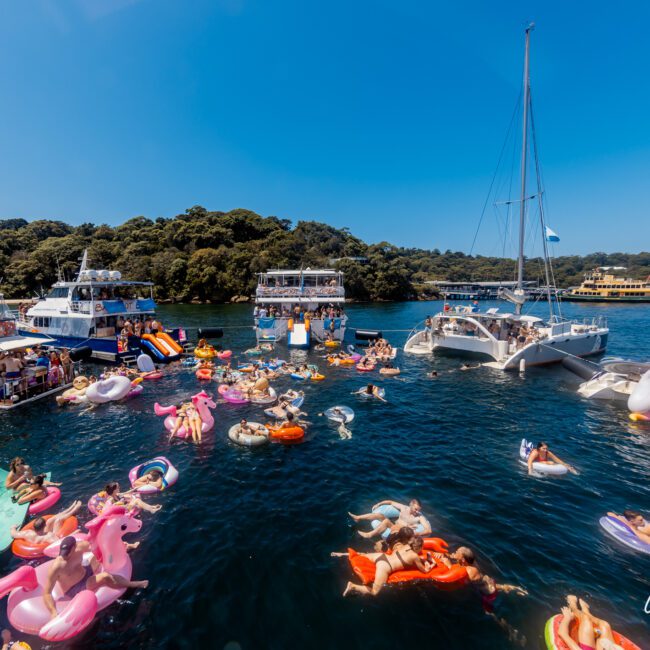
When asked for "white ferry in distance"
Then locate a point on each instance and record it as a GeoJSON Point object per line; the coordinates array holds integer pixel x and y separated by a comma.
{"type": "Point", "coordinates": [91, 310]}
{"type": "Point", "coordinates": [300, 304]}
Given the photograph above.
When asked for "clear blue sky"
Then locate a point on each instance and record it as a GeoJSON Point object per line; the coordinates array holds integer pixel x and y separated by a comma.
{"type": "Point", "coordinates": [386, 117]}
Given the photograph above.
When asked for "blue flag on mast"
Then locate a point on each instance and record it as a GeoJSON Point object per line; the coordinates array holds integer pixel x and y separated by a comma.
{"type": "Point", "coordinates": [551, 235]}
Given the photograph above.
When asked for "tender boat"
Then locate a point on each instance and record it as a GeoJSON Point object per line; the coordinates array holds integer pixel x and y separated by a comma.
{"type": "Point", "coordinates": [89, 312]}
{"type": "Point", "coordinates": [513, 340]}
{"type": "Point", "coordinates": [280, 294]}
{"type": "Point", "coordinates": [34, 383]}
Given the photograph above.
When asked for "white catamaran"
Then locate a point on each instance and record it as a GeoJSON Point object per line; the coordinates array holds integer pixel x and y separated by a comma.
{"type": "Point", "coordinates": [512, 339]}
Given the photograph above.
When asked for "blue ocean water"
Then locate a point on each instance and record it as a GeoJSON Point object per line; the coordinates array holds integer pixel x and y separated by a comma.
{"type": "Point", "coordinates": [239, 555]}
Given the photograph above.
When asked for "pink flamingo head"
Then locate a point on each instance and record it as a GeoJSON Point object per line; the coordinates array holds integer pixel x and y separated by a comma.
{"type": "Point", "coordinates": [106, 532]}
{"type": "Point", "coordinates": [203, 402]}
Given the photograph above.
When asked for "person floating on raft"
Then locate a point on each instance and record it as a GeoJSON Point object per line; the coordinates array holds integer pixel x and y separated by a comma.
{"type": "Point", "coordinates": [46, 531]}
{"type": "Point", "coordinates": [371, 391]}
{"type": "Point", "coordinates": [590, 633]}
{"type": "Point", "coordinates": [34, 489]}
{"type": "Point", "coordinates": [541, 454]}
{"type": "Point", "coordinates": [635, 521]}
{"type": "Point", "coordinates": [407, 516]}
{"type": "Point", "coordinates": [405, 553]}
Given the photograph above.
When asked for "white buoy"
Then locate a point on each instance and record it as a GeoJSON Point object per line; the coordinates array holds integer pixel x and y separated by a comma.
{"type": "Point", "coordinates": [522, 366]}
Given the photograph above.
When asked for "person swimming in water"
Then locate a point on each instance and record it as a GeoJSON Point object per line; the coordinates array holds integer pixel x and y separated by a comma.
{"type": "Point", "coordinates": [405, 554]}
{"type": "Point", "coordinates": [542, 455]}
{"type": "Point", "coordinates": [152, 478]}
{"type": "Point", "coordinates": [409, 516]}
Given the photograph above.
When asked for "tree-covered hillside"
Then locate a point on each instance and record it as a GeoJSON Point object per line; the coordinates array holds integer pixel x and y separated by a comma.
{"type": "Point", "coordinates": [202, 255]}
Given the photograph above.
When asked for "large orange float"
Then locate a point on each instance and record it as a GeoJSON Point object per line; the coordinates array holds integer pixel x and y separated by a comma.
{"type": "Point", "coordinates": [364, 567]}
{"type": "Point", "coordinates": [284, 433]}
{"type": "Point", "coordinates": [30, 550]}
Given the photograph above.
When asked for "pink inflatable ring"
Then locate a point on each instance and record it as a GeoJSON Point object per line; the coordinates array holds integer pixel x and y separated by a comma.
{"type": "Point", "coordinates": [52, 496]}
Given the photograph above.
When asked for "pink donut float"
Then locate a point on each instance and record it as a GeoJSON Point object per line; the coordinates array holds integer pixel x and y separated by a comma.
{"type": "Point", "coordinates": [224, 354]}
{"type": "Point", "coordinates": [52, 496]}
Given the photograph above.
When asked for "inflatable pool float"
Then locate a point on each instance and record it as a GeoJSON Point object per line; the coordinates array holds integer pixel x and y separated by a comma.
{"type": "Point", "coordinates": [189, 361]}
{"type": "Point", "coordinates": [392, 513]}
{"type": "Point", "coordinates": [145, 363]}
{"type": "Point", "coordinates": [332, 344]}
{"type": "Point", "coordinates": [25, 606]}
{"type": "Point", "coordinates": [208, 352]}
{"type": "Point", "coordinates": [203, 404]}
{"type": "Point", "coordinates": [624, 534]}
{"type": "Point", "coordinates": [283, 433]}
{"type": "Point", "coordinates": [76, 394]}
{"type": "Point", "coordinates": [204, 374]}
{"type": "Point", "coordinates": [52, 496]}
{"type": "Point", "coordinates": [32, 550]}
{"type": "Point", "coordinates": [246, 367]}
{"type": "Point", "coordinates": [366, 368]}
{"type": "Point", "coordinates": [98, 501]}
{"type": "Point", "coordinates": [380, 392]}
{"type": "Point", "coordinates": [390, 372]}
{"type": "Point", "coordinates": [135, 391]}
{"type": "Point", "coordinates": [224, 354]}
{"type": "Point", "coordinates": [365, 568]}
{"type": "Point", "coordinates": [232, 395]}
{"type": "Point", "coordinates": [163, 465]}
{"type": "Point", "coordinates": [154, 374]}
{"type": "Point", "coordinates": [356, 357]}
{"type": "Point", "coordinates": [554, 642]}
{"type": "Point", "coordinates": [265, 400]}
{"type": "Point", "coordinates": [337, 361]}
{"type": "Point", "coordinates": [639, 400]}
{"type": "Point", "coordinates": [248, 439]}
{"type": "Point", "coordinates": [317, 377]}
{"type": "Point", "coordinates": [542, 468]}
{"type": "Point", "coordinates": [112, 389]}
{"type": "Point", "coordinates": [254, 352]}
{"type": "Point", "coordinates": [340, 414]}
{"type": "Point", "coordinates": [295, 375]}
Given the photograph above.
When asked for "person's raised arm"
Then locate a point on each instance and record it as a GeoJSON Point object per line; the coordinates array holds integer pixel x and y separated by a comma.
{"type": "Point", "coordinates": [426, 526]}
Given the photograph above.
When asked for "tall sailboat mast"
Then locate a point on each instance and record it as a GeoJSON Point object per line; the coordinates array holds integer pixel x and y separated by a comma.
{"type": "Point", "coordinates": [524, 160]}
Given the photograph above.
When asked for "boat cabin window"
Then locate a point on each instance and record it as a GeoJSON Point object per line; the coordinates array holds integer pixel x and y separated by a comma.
{"type": "Point", "coordinates": [41, 321]}
{"type": "Point", "coordinates": [58, 292]}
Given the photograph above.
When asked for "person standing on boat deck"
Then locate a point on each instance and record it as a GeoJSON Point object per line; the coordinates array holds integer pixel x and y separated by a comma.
{"type": "Point", "coordinates": [427, 328]}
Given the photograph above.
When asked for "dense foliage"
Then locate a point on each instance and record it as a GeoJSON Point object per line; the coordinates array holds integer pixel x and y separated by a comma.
{"type": "Point", "coordinates": [214, 256]}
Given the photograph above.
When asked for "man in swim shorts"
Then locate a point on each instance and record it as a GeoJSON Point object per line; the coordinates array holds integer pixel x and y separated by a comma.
{"type": "Point", "coordinates": [73, 574]}
{"type": "Point", "coordinates": [46, 531]}
{"type": "Point", "coordinates": [409, 515]}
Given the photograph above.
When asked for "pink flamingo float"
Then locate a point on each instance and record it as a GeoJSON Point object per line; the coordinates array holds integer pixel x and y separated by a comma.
{"type": "Point", "coordinates": [26, 609]}
{"type": "Point", "coordinates": [203, 404]}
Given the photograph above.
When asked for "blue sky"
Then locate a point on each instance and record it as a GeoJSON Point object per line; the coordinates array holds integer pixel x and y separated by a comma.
{"type": "Point", "coordinates": [386, 117]}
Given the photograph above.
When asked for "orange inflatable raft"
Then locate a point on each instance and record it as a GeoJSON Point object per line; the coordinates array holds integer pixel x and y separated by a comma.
{"type": "Point", "coordinates": [204, 373]}
{"type": "Point", "coordinates": [364, 567]}
{"type": "Point", "coordinates": [554, 642]}
{"type": "Point", "coordinates": [285, 433]}
{"type": "Point", "coordinates": [30, 550]}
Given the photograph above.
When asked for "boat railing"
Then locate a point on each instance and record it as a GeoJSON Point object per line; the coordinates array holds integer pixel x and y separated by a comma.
{"type": "Point", "coordinates": [300, 292]}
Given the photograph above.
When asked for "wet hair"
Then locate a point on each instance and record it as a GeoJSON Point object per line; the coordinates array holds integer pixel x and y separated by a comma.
{"type": "Point", "coordinates": [417, 502]}
{"type": "Point", "coordinates": [417, 544]}
{"type": "Point", "coordinates": [467, 554]}
{"type": "Point", "coordinates": [541, 444]}
{"type": "Point", "coordinates": [111, 488]}
{"type": "Point", "coordinates": [38, 480]}
{"type": "Point", "coordinates": [155, 473]}
{"type": "Point", "coordinates": [16, 461]}
{"type": "Point", "coordinates": [403, 536]}
{"type": "Point", "coordinates": [290, 416]}
{"type": "Point", "coordinates": [369, 388]}
{"type": "Point", "coordinates": [39, 524]}
{"type": "Point", "coordinates": [631, 514]}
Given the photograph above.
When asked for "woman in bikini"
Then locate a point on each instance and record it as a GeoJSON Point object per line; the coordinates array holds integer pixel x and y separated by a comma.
{"type": "Point", "coordinates": [405, 554]}
{"type": "Point", "coordinates": [18, 473]}
{"type": "Point", "coordinates": [543, 455]}
{"type": "Point", "coordinates": [127, 499]}
{"type": "Point", "coordinates": [593, 633]}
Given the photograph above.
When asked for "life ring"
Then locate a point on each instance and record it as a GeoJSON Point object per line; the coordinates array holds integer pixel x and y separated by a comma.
{"type": "Point", "coordinates": [99, 307]}
{"type": "Point", "coordinates": [283, 433]}
{"type": "Point", "coordinates": [554, 642]}
{"type": "Point", "coordinates": [31, 550]}
{"type": "Point", "coordinates": [366, 368]}
{"type": "Point", "coordinates": [340, 414]}
{"type": "Point", "coordinates": [541, 468]}
{"type": "Point", "coordinates": [624, 534]}
{"type": "Point", "coordinates": [390, 372]}
{"type": "Point", "coordinates": [249, 439]}
{"type": "Point", "coordinates": [53, 494]}
{"type": "Point", "coordinates": [204, 374]}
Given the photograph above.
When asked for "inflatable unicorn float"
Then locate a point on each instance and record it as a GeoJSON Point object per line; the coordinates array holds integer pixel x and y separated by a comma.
{"type": "Point", "coordinates": [639, 400]}
{"type": "Point", "coordinates": [26, 608]}
{"type": "Point", "coordinates": [203, 403]}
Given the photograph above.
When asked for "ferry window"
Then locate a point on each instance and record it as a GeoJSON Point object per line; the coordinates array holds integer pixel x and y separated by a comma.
{"type": "Point", "coordinates": [58, 292]}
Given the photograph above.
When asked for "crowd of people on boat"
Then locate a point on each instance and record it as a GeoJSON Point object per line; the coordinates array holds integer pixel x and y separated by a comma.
{"type": "Point", "coordinates": [25, 373]}
{"type": "Point", "coordinates": [298, 312]}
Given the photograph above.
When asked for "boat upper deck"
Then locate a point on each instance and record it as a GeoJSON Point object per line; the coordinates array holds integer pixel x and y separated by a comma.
{"type": "Point", "coordinates": [311, 285]}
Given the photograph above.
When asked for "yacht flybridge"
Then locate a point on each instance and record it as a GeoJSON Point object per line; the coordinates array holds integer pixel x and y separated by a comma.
{"type": "Point", "coordinates": [300, 304]}
{"type": "Point", "coordinates": [512, 339]}
{"type": "Point", "coordinates": [93, 311]}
